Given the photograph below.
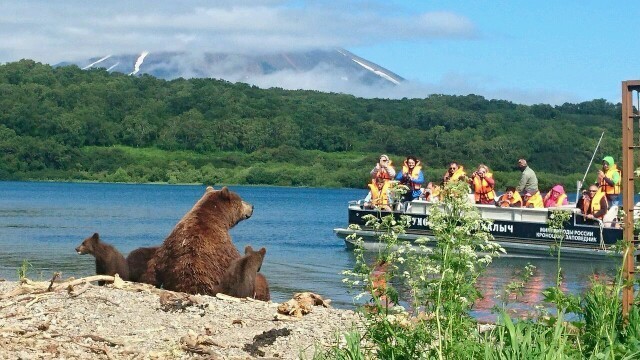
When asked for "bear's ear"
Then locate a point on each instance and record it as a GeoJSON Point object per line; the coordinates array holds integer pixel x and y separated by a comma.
{"type": "Point", "coordinates": [248, 250]}
{"type": "Point", "coordinates": [209, 189]}
{"type": "Point", "coordinates": [262, 251]}
{"type": "Point", "coordinates": [95, 236]}
{"type": "Point", "coordinates": [225, 193]}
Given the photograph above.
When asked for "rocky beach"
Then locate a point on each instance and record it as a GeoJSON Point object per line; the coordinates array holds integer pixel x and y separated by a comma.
{"type": "Point", "coordinates": [76, 319]}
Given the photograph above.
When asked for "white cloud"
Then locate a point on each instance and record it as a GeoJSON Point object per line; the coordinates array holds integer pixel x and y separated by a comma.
{"type": "Point", "coordinates": [51, 31]}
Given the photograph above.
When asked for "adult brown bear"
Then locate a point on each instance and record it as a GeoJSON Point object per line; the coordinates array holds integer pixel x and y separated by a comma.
{"type": "Point", "coordinates": [109, 261]}
{"type": "Point", "coordinates": [194, 257]}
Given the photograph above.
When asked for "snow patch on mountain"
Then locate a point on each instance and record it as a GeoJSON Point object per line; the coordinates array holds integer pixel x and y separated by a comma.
{"type": "Point", "coordinates": [136, 67]}
{"type": "Point", "coordinates": [96, 62]}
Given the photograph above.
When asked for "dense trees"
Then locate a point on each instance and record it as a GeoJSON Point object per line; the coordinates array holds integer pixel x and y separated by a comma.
{"type": "Point", "coordinates": [66, 123]}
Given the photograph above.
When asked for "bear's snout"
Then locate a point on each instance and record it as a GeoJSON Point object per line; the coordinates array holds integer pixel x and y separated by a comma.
{"type": "Point", "coordinates": [247, 210]}
{"type": "Point", "coordinates": [80, 250]}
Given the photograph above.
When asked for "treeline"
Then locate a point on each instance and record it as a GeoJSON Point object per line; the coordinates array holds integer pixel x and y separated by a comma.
{"type": "Point", "coordinates": [70, 124]}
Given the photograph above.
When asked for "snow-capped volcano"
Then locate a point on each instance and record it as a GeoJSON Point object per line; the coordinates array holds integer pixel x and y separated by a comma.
{"type": "Point", "coordinates": [325, 70]}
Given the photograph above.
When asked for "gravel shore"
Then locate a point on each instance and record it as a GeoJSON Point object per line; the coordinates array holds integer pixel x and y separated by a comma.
{"type": "Point", "coordinates": [80, 320]}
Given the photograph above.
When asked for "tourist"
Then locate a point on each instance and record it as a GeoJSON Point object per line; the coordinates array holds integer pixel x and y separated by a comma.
{"type": "Point", "coordinates": [383, 168]}
{"type": "Point", "coordinates": [379, 195]}
{"type": "Point", "coordinates": [483, 185]}
{"type": "Point", "coordinates": [510, 198]}
{"type": "Point", "coordinates": [593, 203]}
{"type": "Point", "coordinates": [609, 180]}
{"type": "Point", "coordinates": [431, 192]}
{"type": "Point", "coordinates": [454, 173]}
{"type": "Point", "coordinates": [555, 197]}
{"type": "Point", "coordinates": [412, 177]}
{"type": "Point", "coordinates": [528, 180]}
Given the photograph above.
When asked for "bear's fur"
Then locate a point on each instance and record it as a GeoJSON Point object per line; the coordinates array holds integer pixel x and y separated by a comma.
{"type": "Point", "coordinates": [194, 257]}
{"type": "Point", "coordinates": [261, 291]}
{"type": "Point", "coordinates": [109, 261]}
{"type": "Point", "coordinates": [137, 261]}
{"type": "Point", "coordinates": [240, 278]}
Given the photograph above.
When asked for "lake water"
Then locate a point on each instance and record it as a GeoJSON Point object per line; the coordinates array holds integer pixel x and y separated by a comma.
{"type": "Point", "coordinates": [43, 222]}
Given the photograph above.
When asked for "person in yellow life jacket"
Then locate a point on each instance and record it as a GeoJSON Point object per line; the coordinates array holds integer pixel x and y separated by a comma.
{"type": "Point", "coordinates": [379, 195]}
{"type": "Point", "coordinates": [532, 200]}
{"type": "Point", "coordinates": [454, 173]}
{"type": "Point", "coordinates": [431, 192]}
{"type": "Point", "coordinates": [555, 197]}
{"type": "Point", "coordinates": [411, 176]}
{"type": "Point", "coordinates": [593, 203]}
{"type": "Point", "coordinates": [510, 198]}
{"type": "Point", "coordinates": [483, 185]}
{"type": "Point", "coordinates": [609, 179]}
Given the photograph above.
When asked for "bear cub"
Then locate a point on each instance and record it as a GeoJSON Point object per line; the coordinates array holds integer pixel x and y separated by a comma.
{"type": "Point", "coordinates": [109, 261]}
{"type": "Point", "coordinates": [239, 280]}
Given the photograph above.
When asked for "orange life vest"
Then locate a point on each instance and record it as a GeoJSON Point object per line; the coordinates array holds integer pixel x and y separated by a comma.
{"type": "Point", "coordinates": [414, 173]}
{"type": "Point", "coordinates": [379, 196]}
{"type": "Point", "coordinates": [482, 188]}
{"type": "Point", "coordinates": [504, 202]}
{"type": "Point", "coordinates": [608, 189]}
{"type": "Point", "coordinates": [457, 174]}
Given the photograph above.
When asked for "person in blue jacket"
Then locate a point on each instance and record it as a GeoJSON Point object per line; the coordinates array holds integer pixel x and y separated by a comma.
{"type": "Point", "coordinates": [411, 176]}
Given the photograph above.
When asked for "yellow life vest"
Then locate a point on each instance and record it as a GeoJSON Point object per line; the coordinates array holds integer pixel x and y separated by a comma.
{"type": "Point", "coordinates": [535, 200]}
{"type": "Point", "coordinates": [379, 197]}
{"type": "Point", "coordinates": [414, 173]}
{"type": "Point", "coordinates": [457, 174]}
{"type": "Point", "coordinates": [559, 200]}
{"type": "Point", "coordinates": [608, 189]}
{"type": "Point", "coordinates": [482, 188]}
{"type": "Point", "coordinates": [594, 206]}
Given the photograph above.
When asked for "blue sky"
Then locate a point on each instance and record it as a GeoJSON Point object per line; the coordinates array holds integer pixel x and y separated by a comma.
{"type": "Point", "coordinates": [524, 51]}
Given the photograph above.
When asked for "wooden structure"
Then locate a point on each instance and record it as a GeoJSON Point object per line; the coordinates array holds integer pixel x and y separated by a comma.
{"type": "Point", "coordinates": [628, 174]}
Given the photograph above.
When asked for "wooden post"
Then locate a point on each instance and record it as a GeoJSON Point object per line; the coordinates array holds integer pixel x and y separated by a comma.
{"type": "Point", "coordinates": [627, 183]}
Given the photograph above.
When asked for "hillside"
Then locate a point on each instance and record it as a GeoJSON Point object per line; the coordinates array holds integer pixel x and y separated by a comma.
{"type": "Point", "coordinates": [70, 124]}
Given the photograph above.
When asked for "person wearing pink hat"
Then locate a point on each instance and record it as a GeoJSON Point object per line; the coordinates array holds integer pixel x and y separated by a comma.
{"type": "Point", "coordinates": [555, 197]}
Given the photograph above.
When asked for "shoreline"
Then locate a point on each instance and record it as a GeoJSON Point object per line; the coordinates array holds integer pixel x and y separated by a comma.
{"type": "Point", "coordinates": [127, 320]}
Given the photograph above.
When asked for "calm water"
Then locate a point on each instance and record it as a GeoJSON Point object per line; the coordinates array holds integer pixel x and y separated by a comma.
{"type": "Point", "coordinates": [44, 222]}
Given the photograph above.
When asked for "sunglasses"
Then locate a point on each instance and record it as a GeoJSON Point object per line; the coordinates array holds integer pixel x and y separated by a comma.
{"type": "Point", "coordinates": [593, 190]}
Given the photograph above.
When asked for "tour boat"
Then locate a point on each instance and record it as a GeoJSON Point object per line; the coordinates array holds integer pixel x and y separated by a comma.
{"type": "Point", "coordinates": [520, 231]}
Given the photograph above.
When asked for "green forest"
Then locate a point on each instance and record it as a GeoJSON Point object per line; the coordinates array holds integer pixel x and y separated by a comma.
{"type": "Point", "coordinates": [64, 123]}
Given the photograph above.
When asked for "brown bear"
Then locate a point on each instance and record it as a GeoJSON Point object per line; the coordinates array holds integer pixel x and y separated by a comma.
{"type": "Point", "coordinates": [194, 257]}
{"type": "Point", "coordinates": [137, 261]}
{"type": "Point", "coordinates": [239, 279]}
{"type": "Point", "coordinates": [109, 261]}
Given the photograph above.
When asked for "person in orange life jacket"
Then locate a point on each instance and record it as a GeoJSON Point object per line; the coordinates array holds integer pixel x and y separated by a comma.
{"type": "Point", "coordinates": [532, 200]}
{"type": "Point", "coordinates": [555, 197]}
{"type": "Point", "coordinates": [379, 195]}
{"type": "Point", "coordinates": [609, 180]}
{"type": "Point", "coordinates": [593, 203]}
{"type": "Point", "coordinates": [454, 173]}
{"type": "Point", "coordinates": [510, 198]}
{"type": "Point", "coordinates": [411, 176]}
{"type": "Point", "coordinates": [383, 168]}
{"type": "Point", "coordinates": [483, 185]}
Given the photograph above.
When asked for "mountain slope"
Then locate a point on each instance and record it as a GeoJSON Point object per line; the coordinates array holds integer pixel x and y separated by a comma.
{"type": "Point", "coordinates": [279, 69]}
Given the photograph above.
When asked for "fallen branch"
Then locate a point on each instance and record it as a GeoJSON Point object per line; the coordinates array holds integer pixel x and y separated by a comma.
{"type": "Point", "coordinates": [101, 339]}
{"type": "Point", "coordinates": [56, 275]}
